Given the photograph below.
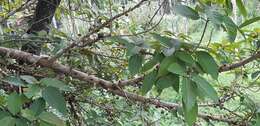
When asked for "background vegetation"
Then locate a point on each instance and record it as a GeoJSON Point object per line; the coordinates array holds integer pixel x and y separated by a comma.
{"type": "Point", "coordinates": [131, 62]}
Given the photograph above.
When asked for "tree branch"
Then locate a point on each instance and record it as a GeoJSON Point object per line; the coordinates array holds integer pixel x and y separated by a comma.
{"type": "Point", "coordinates": [240, 63]}
{"type": "Point", "coordinates": [85, 39]}
{"type": "Point", "coordinates": [107, 85]}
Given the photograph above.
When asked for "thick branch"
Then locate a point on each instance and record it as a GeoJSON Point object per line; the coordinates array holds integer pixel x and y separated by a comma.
{"type": "Point", "coordinates": [240, 63]}
{"type": "Point", "coordinates": [107, 85]}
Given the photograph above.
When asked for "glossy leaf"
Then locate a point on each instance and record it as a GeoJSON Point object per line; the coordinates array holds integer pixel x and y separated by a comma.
{"type": "Point", "coordinates": [55, 99]}
{"type": "Point", "coordinates": [205, 87]}
{"type": "Point", "coordinates": [187, 12]}
{"type": "Point", "coordinates": [207, 63]}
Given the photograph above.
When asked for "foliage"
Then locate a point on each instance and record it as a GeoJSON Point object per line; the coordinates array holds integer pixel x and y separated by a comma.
{"type": "Point", "coordinates": [201, 58]}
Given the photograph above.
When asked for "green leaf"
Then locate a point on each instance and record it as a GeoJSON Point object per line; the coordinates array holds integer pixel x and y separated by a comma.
{"type": "Point", "coordinates": [191, 114]}
{"type": "Point", "coordinates": [231, 28]}
{"type": "Point", "coordinates": [257, 122]}
{"type": "Point", "coordinates": [55, 99]}
{"type": "Point", "coordinates": [255, 74]}
{"type": "Point", "coordinates": [120, 40]}
{"type": "Point", "coordinates": [8, 121]}
{"type": "Point", "coordinates": [51, 118]}
{"type": "Point", "coordinates": [55, 83]}
{"type": "Point", "coordinates": [21, 122]}
{"type": "Point", "coordinates": [187, 12]}
{"type": "Point", "coordinates": [188, 93]}
{"type": "Point", "coordinates": [229, 6]}
{"type": "Point", "coordinates": [171, 80]}
{"type": "Point", "coordinates": [165, 41]}
{"type": "Point", "coordinates": [185, 57]}
{"type": "Point", "coordinates": [151, 63]}
{"type": "Point", "coordinates": [28, 114]}
{"type": "Point", "coordinates": [204, 86]}
{"type": "Point", "coordinates": [148, 82]}
{"type": "Point", "coordinates": [250, 21]}
{"type": "Point", "coordinates": [135, 64]}
{"type": "Point", "coordinates": [241, 8]}
{"type": "Point", "coordinates": [14, 81]}
{"type": "Point", "coordinates": [38, 106]}
{"type": "Point", "coordinates": [166, 62]}
{"type": "Point", "coordinates": [43, 123]}
{"type": "Point", "coordinates": [14, 103]}
{"type": "Point", "coordinates": [4, 113]}
{"type": "Point", "coordinates": [32, 91]}
{"type": "Point", "coordinates": [177, 69]}
{"type": "Point", "coordinates": [215, 17]}
{"type": "Point", "coordinates": [29, 79]}
{"type": "Point", "coordinates": [208, 64]}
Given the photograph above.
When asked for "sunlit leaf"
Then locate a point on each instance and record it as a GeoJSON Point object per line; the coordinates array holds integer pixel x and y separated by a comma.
{"type": "Point", "coordinates": [250, 21]}
{"type": "Point", "coordinates": [241, 8]}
